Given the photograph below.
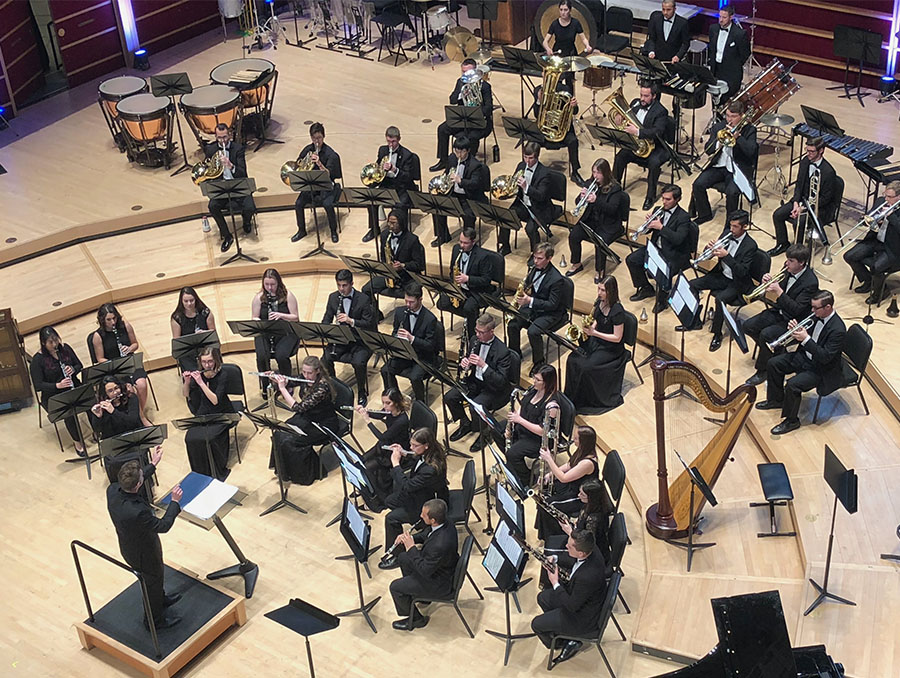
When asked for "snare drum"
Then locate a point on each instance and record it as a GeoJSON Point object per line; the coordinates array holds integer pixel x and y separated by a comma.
{"type": "Point", "coordinates": [598, 78]}
{"type": "Point", "coordinates": [437, 19]}
{"type": "Point", "coordinates": [207, 106]}
{"type": "Point", "coordinates": [110, 93]}
{"type": "Point", "coordinates": [146, 122]}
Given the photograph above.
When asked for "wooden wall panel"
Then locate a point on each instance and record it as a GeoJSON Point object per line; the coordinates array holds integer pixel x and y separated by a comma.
{"type": "Point", "coordinates": [22, 71]}
{"type": "Point", "coordinates": [88, 36]}
{"type": "Point", "coordinates": [164, 23]}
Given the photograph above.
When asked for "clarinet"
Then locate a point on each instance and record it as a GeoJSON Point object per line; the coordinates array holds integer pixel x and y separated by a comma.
{"type": "Point", "coordinates": [387, 554]}
{"type": "Point", "coordinates": [119, 343]}
{"type": "Point", "coordinates": [63, 367]}
{"type": "Point", "coordinates": [271, 306]}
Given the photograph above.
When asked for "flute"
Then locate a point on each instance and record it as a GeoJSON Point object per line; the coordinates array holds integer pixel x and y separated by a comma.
{"type": "Point", "coordinates": [418, 524]}
{"type": "Point", "coordinates": [275, 374]}
{"type": "Point", "coordinates": [351, 407]}
{"type": "Point", "coordinates": [402, 451]}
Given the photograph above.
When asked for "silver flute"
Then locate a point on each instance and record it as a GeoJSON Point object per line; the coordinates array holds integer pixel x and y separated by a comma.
{"type": "Point", "coordinates": [351, 407]}
{"type": "Point", "coordinates": [274, 374]}
{"type": "Point", "coordinates": [785, 338]}
{"type": "Point", "coordinates": [402, 451]}
{"type": "Point", "coordinates": [643, 228]}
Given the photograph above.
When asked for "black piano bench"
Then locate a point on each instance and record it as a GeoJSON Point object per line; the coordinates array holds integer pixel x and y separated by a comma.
{"type": "Point", "coordinates": [776, 487]}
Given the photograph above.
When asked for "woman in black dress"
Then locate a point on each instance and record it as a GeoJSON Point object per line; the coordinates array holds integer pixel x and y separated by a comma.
{"type": "Point", "coordinates": [566, 479]}
{"type": "Point", "coordinates": [299, 462]}
{"type": "Point", "coordinates": [189, 317]}
{"type": "Point", "coordinates": [567, 31]}
{"type": "Point", "coordinates": [589, 378]}
{"type": "Point", "coordinates": [378, 459]}
{"type": "Point", "coordinates": [115, 338]}
{"type": "Point", "coordinates": [55, 369]}
{"type": "Point", "coordinates": [527, 422]}
{"type": "Point", "coordinates": [117, 410]}
{"type": "Point", "coordinates": [274, 302]}
{"type": "Point", "coordinates": [205, 391]}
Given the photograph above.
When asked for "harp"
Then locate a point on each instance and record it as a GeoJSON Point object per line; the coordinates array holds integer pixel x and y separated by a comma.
{"type": "Point", "coordinates": [670, 517]}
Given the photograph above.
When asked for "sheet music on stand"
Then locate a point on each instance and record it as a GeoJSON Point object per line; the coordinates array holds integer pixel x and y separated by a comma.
{"type": "Point", "coordinates": [657, 266]}
{"type": "Point", "coordinates": [493, 561]}
{"type": "Point", "coordinates": [202, 496]}
{"type": "Point", "coordinates": [509, 547]}
{"type": "Point", "coordinates": [683, 302]}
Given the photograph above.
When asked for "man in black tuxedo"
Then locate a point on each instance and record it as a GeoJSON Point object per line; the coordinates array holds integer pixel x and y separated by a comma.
{"type": "Point", "coordinates": [814, 162]}
{"type": "Point", "coordinates": [733, 166]}
{"type": "Point", "coordinates": [470, 178]}
{"type": "Point", "coordinates": [472, 268]}
{"type": "Point", "coordinates": [817, 361]}
{"type": "Point", "coordinates": [348, 307]}
{"type": "Point", "coordinates": [235, 163]}
{"type": "Point", "coordinates": [401, 170]}
{"type": "Point", "coordinates": [655, 124]}
{"type": "Point", "coordinates": [324, 158]}
{"type": "Point", "coordinates": [730, 278]}
{"type": "Point", "coordinates": [668, 37]}
{"type": "Point", "coordinates": [532, 204]}
{"type": "Point", "coordinates": [406, 256]}
{"type": "Point", "coordinates": [570, 140]}
{"type": "Point", "coordinates": [418, 326]}
{"type": "Point", "coordinates": [573, 608]}
{"type": "Point", "coordinates": [544, 304]}
{"type": "Point", "coordinates": [138, 530]}
{"type": "Point", "coordinates": [469, 87]}
{"type": "Point", "coordinates": [792, 298]}
{"type": "Point", "coordinates": [427, 571]}
{"type": "Point", "coordinates": [876, 255]}
{"type": "Point", "coordinates": [485, 374]}
{"type": "Point", "coordinates": [729, 49]}
{"type": "Point", "coordinates": [671, 234]}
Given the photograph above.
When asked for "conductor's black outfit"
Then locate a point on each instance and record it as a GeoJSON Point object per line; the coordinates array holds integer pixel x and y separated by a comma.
{"type": "Point", "coordinates": [538, 186]}
{"type": "Point", "coordinates": [476, 179]}
{"type": "Point", "coordinates": [218, 207]}
{"type": "Point", "coordinates": [427, 343]}
{"type": "Point", "coordinates": [744, 154]}
{"type": "Point", "coordinates": [401, 178]}
{"type": "Point", "coordinates": [656, 124]}
{"type": "Point", "coordinates": [490, 386]}
{"type": "Point", "coordinates": [735, 54]}
{"type": "Point", "coordinates": [332, 162]}
{"type": "Point", "coordinates": [409, 493]}
{"type": "Point", "coordinates": [427, 572]}
{"type": "Point", "coordinates": [607, 217]}
{"type": "Point", "coordinates": [826, 199]}
{"type": "Point", "coordinates": [667, 38]}
{"type": "Point", "coordinates": [138, 530]}
{"type": "Point", "coordinates": [406, 249]}
{"type": "Point", "coordinates": [546, 311]}
{"type": "Point", "coordinates": [445, 131]}
{"type": "Point", "coordinates": [478, 264]}
{"type": "Point", "coordinates": [359, 307]}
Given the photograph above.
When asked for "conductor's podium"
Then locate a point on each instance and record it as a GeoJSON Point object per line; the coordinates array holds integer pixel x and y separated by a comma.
{"type": "Point", "coordinates": [207, 611]}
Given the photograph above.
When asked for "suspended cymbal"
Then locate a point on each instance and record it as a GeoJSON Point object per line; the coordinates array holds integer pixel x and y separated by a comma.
{"type": "Point", "coordinates": [460, 43]}
{"type": "Point", "coordinates": [578, 63]}
{"type": "Point", "coordinates": [777, 119]}
{"type": "Point", "coordinates": [482, 56]}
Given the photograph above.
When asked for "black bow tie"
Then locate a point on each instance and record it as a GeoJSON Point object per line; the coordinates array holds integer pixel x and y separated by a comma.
{"type": "Point", "coordinates": [413, 315]}
{"type": "Point", "coordinates": [669, 21]}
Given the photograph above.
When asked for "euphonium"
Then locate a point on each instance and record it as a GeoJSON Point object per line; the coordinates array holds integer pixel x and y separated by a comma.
{"type": "Point", "coordinates": [620, 116]}
{"type": "Point", "coordinates": [707, 254]}
{"type": "Point", "coordinates": [575, 333]}
{"type": "Point", "coordinates": [442, 184]}
{"type": "Point", "coordinates": [470, 94]}
{"type": "Point", "coordinates": [506, 186]}
{"type": "Point", "coordinates": [211, 168]}
{"type": "Point", "coordinates": [301, 164]}
{"type": "Point", "coordinates": [556, 108]}
{"type": "Point", "coordinates": [760, 289]}
{"type": "Point", "coordinates": [582, 203]}
{"type": "Point", "coordinates": [786, 338]}
{"type": "Point", "coordinates": [643, 228]}
{"type": "Point", "coordinates": [372, 174]}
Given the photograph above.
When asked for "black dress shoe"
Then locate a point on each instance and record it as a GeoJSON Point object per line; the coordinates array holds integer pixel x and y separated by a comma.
{"type": "Point", "coordinates": [648, 204]}
{"type": "Point", "coordinates": [437, 242]}
{"type": "Point", "coordinates": [227, 243]}
{"type": "Point", "coordinates": [401, 624]}
{"type": "Point", "coordinates": [716, 343]}
{"type": "Point", "coordinates": [334, 236]}
{"type": "Point", "coordinates": [460, 433]}
{"type": "Point", "coordinates": [569, 274]}
{"type": "Point", "coordinates": [786, 426]}
{"type": "Point", "coordinates": [862, 289]}
{"type": "Point", "coordinates": [780, 248]}
{"type": "Point", "coordinates": [698, 325]}
{"type": "Point", "coordinates": [298, 236]}
{"type": "Point", "coordinates": [757, 379]}
{"type": "Point", "coordinates": [248, 228]}
{"type": "Point", "coordinates": [477, 445]}
{"type": "Point", "coordinates": [389, 563]}
{"type": "Point", "coordinates": [768, 405]}
{"type": "Point", "coordinates": [368, 237]}
{"type": "Point", "coordinates": [171, 600]}
{"type": "Point", "coordinates": [873, 298]}
{"type": "Point", "coordinates": [702, 220]}
{"type": "Point", "coordinates": [438, 166]}
{"type": "Point", "coordinates": [597, 278]}
{"type": "Point", "coordinates": [569, 650]}
{"type": "Point", "coordinates": [363, 399]}
{"type": "Point", "coordinates": [504, 251]}
{"type": "Point", "coordinates": [660, 306]}
{"type": "Point", "coordinates": [576, 178]}
{"type": "Point", "coordinates": [643, 293]}
{"type": "Point", "coordinates": [82, 452]}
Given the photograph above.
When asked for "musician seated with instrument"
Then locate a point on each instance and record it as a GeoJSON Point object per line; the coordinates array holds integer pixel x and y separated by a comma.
{"type": "Point", "coordinates": [735, 252]}
{"type": "Point", "coordinates": [396, 168]}
{"type": "Point", "coordinates": [294, 454]}
{"type": "Point", "coordinates": [401, 250]}
{"type": "Point", "coordinates": [484, 363]}
{"type": "Point", "coordinates": [467, 178]}
{"type": "Point", "coordinates": [878, 253]}
{"type": "Point", "coordinates": [354, 309]}
{"type": "Point", "coordinates": [115, 338]}
{"type": "Point", "coordinates": [395, 416]}
{"type": "Point", "coordinates": [573, 607]}
{"type": "Point", "coordinates": [473, 91]}
{"type": "Point", "coordinates": [318, 156]}
{"type": "Point", "coordinates": [668, 35]}
{"type": "Point", "coordinates": [560, 132]}
{"type": "Point", "coordinates": [472, 268]}
{"type": "Point", "coordinates": [670, 232]}
{"type": "Point", "coordinates": [420, 328]}
{"type": "Point", "coordinates": [815, 189]}
{"type": "Point", "coordinates": [793, 288]}
{"type": "Point", "coordinates": [190, 316]}
{"type": "Point", "coordinates": [729, 49]}
{"type": "Point", "coordinates": [427, 479]}
{"type": "Point", "coordinates": [733, 153]}
{"type": "Point", "coordinates": [541, 299]}
{"type": "Point", "coordinates": [206, 392]}
{"type": "Point", "coordinates": [525, 426]}
{"type": "Point", "coordinates": [231, 155]}
{"type": "Point", "coordinates": [54, 369]}
{"type": "Point", "coordinates": [117, 409]}
{"type": "Point", "coordinates": [274, 302]}
{"type": "Point", "coordinates": [558, 487]}
{"type": "Point", "coordinates": [653, 123]}
{"type": "Point", "coordinates": [428, 571]}
{"type": "Point", "coordinates": [604, 208]}
{"type": "Point", "coordinates": [594, 376]}
{"type": "Point", "coordinates": [531, 185]}
{"type": "Point", "coordinates": [816, 361]}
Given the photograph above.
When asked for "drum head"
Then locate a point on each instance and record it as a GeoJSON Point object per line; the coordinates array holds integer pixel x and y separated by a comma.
{"type": "Point", "coordinates": [143, 106]}
{"type": "Point", "coordinates": [222, 73]}
{"type": "Point", "coordinates": [548, 12]}
{"type": "Point", "coordinates": [115, 89]}
{"type": "Point", "coordinates": [211, 98]}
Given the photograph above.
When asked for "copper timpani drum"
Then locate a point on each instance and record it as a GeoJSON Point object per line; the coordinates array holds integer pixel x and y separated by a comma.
{"type": "Point", "coordinates": [207, 106]}
{"type": "Point", "coordinates": [109, 94]}
{"type": "Point", "coordinates": [255, 79]}
{"type": "Point", "coordinates": [146, 123]}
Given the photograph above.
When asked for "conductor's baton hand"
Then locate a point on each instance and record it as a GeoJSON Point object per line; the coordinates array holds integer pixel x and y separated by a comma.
{"type": "Point", "coordinates": [177, 493]}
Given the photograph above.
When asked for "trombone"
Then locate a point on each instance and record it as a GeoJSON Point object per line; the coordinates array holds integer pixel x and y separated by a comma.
{"type": "Point", "coordinates": [874, 221]}
{"type": "Point", "coordinates": [760, 289]}
{"type": "Point", "coordinates": [786, 338]}
{"type": "Point", "coordinates": [707, 254]}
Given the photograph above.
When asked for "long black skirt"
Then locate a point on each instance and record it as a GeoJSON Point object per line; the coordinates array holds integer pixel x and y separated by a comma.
{"type": "Point", "coordinates": [594, 381]}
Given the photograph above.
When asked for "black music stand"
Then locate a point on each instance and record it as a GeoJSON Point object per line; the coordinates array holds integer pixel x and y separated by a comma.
{"type": "Point", "coordinates": [651, 69]}
{"type": "Point", "coordinates": [523, 130]}
{"type": "Point", "coordinates": [445, 381]}
{"type": "Point", "coordinates": [260, 328]}
{"type": "Point", "coordinates": [525, 63]}
{"type": "Point", "coordinates": [297, 41]}
{"type": "Point", "coordinates": [506, 570]}
{"type": "Point", "coordinates": [353, 469]}
{"type": "Point", "coordinates": [357, 533]}
{"type": "Point", "coordinates": [326, 333]}
{"type": "Point", "coordinates": [485, 419]}
{"type": "Point", "coordinates": [229, 190]}
{"type": "Point", "coordinates": [659, 270]}
{"type": "Point", "coordinates": [465, 117]}
{"type": "Point", "coordinates": [439, 286]}
{"type": "Point", "coordinates": [560, 342]}
{"type": "Point", "coordinates": [171, 85]}
{"type": "Point", "coordinates": [305, 619]}
{"type": "Point", "coordinates": [116, 367]}
{"type": "Point", "coordinates": [437, 205]}
{"type": "Point", "coordinates": [370, 267]}
{"type": "Point", "coordinates": [697, 483]}
{"type": "Point", "coordinates": [484, 10]}
{"type": "Point", "coordinates": [568, 220]}
{"type": "Point", "coordinates": [499, 216]}
{"type": "Point", "coordinates": [686, 307]}
{"type": "Point", "coordinates": [190, 345]}
{"type": "Point", "coordinates": [204, 421]}
{"type": "Point", "coordinates": [860, 46]}
{"type": "Point", "coordinates": [134, 445]}
{"type": "Point", "coordinates": [372, 197]}
{"type": "Point", "coordinates": [71, 403]}
{"type": "Point", "coordinates": [617, 138]}
{"type": "Point", "coordinates": [275, 425]}
{"type": "Point", "coordinates": [507, 310]}
{"type": "Point", "coordinates": [312, 182]}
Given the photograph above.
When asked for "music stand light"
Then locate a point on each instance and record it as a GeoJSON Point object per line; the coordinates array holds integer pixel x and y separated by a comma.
{"type": "Point", "coordinates": [171, 85]}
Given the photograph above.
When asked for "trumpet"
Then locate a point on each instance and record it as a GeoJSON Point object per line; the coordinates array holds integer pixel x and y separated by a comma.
{"type": "Point", "coordinates": [760, 289]}
{"type": "Point", "coordinates": [270, 373]}
{"type": "Point", "coordinates": [549, 562]}
{"type": "Point", "coordinates": [645, 227]}
{"type": "Point", "coordinates": [419, 524]}
{"type": "Point", "coordinates": [707, 254]}
{"type": "Point", "coordinates": [785, 338]}
{"type": "Point", "coordinates": [582, 203]}
{"type": "Point", "coordinates": [549, 508]}
{"type": "Point", "coordinates": [405, 453]}
{"type": "Point", "coordinates": [873, 222]}
{"type": "Point", "coordinates": [506, 186]}
{"type": "Point", "coordinates": [575, 333]}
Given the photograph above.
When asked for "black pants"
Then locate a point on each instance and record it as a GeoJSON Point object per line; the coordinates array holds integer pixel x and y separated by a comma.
{"type": "Point", "coordinates": [779, 220]}
{"type": "Point", "coordinates": [707, 179]}
{"type": "Point", "coordinates": [394, 520]}
{"type": "Point", "coordinates": [536, 328]}
{"type": "Point", "coordinates": [441, 232]}
{"type": "Point", "coordinates": [555, 621]}
{"type": "Point", "coordinates": [764, 327]}
{"type": "Point", "coordinates": [723, 290]}
{"type": "Point", "coordinates": [653, 163]}
{"type": "Point", "coordinates": [218, 207]}
{"type": "Point", "coordinates": [468, 309]}
{"type": "Point", "coordinates": [490, 400]}
{"type": "Point", "coordinates": [870, 262]}
{"type": "Point", "coordinates": [285, 348]}
{"type": "Point", "coordinates": [397, 367]}
{"type": "Point", "coordinates": [444, 132]}
{"type": "Point", "coordinates": [355, 354]}
{"type": "Point", "coordinates": [578, 235]}
{"type": "Point", "coordinates": [409, 586]}
{"type": "Point", "coordinates": [635, 263]}
{"type": "Point", "coordinates": [524, 448]}
{"type": "Point", "coordinates": [324, 199]}
{"type": "Point", "coordinates": [152, 568]}
{"type": "Point", "coordinates": [70, 422]}
{"type": "Point", "coordinates": [379, 287]}
{"type": "Point", "coordinates": [570, 143]}
{"type": "Point", "coordinates": [791, 391]}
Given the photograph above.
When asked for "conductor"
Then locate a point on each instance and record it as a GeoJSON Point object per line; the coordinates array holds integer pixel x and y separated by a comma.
{"type": "Point", "coordinates": [138, 530]}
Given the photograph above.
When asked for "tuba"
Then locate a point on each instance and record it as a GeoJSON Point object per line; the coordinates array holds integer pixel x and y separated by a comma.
{"type": "Point", "coordinates": [556, 108]}
{"type": "Point", "coordinates": [506, 186]}
{"type": "Point", "coordinates": [372, 174]}
{"type": "Point", "coordinates": [301, 164]}
{"type": "Point", "coordinates": [211, 168]}
{"type": "Point", "coordinates": [620, 115]}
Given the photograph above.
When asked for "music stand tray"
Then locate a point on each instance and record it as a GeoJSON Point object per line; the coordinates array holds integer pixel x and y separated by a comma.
{"type": "Point", "coordinates": [230, 190]}
{"type": "Point", "coordinates": [502, 217]}
{"type": "Point", "coordinates": [391, 347]}
{"type": "Point", "coordinates": [465, 117]}
{"type": "Point", "coordinates": [171, 85]}
{"type": "Point", "coordinates": [313, 181]}
{"type": "Point", "coordinates": [138, 440]}
{"type": "Point", "coordinates": [652, 69]}
{"type": "Point", "coordinates": [369, 267]}
{"type": "Point", "coordinates": [190, 345]}
{"type": "Point", "coordinates": [439, 286]}
{"type": "Point", "coordinates": [305, 619]}
{"type": "Point", "coordinates": [116, 367]}
{"type": "Point", "coordinates": [617, 138]}
{"type": "Point", "coordinates": [522, 129]}
{"type": "Point", "coordinates": [823, 121]}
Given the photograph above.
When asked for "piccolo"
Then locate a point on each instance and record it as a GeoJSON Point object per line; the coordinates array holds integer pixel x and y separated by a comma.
{"type": "Point", "coordinates": [419, 524]}
{"type": "Point", "coordinates": [273, 374]}
{"type": "Point", "coordinates": [402, 451]}
{"type": "Point", "coordinates": [351, 407]}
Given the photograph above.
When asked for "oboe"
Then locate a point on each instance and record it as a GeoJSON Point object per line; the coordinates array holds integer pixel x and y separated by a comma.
{"type": "Point", "coordinates": [419, 524]}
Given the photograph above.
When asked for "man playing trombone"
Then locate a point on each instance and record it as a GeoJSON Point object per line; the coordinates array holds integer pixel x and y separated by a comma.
{"type": "Point", "coordinates": [878, 253]}
{"type": "Point", "coordinates": [816, 362]}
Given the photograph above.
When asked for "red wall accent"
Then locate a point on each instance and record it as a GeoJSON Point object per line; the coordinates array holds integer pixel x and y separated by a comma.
{"type": "Point", "coordinates": [21, 46]}
{"type": "Point", "coordinates": [181, 19]}
{"type": "Point", "coordinates": [96, 55]}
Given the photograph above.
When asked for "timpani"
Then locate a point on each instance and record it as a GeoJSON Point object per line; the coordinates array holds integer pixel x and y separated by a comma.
{"type": "Point", "coordinates": [146, 122]}
{"type": "Point", "coordinates": [258, 96]}
{"type": "Point", "coordinates": [208, 106]}
{"type": "Point", "coordinates": [109, 94]}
